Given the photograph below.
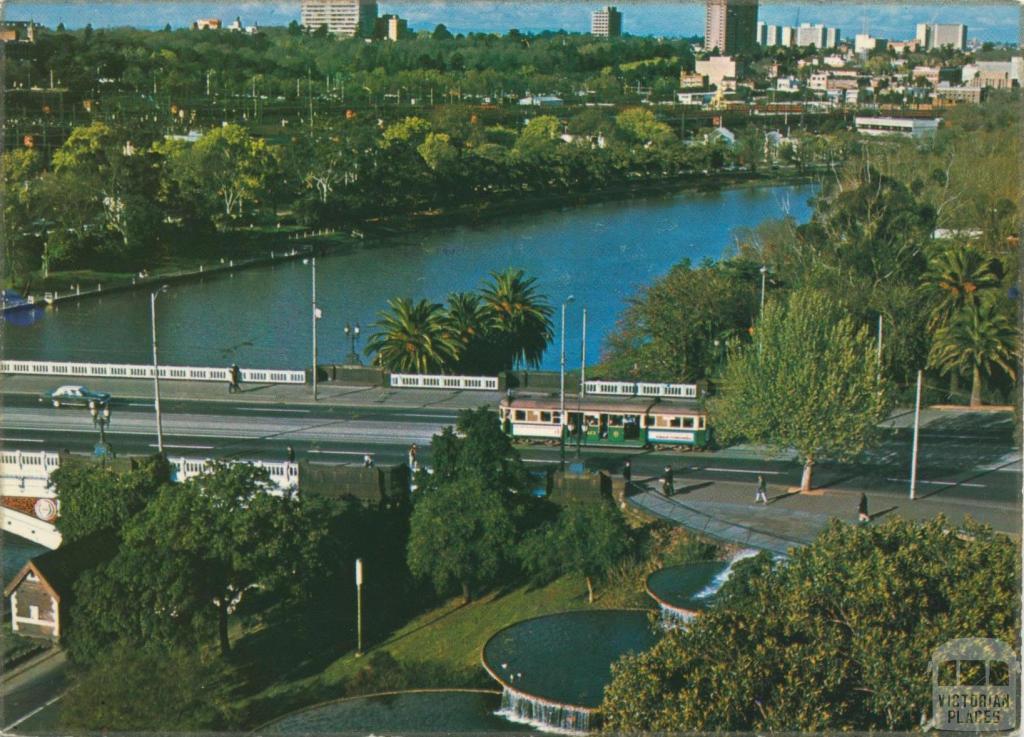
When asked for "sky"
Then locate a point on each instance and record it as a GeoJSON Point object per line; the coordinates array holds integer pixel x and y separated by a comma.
{"type": "Point", "coordinates": [985, 21]}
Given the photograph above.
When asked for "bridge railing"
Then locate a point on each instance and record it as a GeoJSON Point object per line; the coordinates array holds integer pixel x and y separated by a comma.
{"type": "Point", "coordinates": [28, 464]}
{"type": "Point", "coordinates": [143, 371]}
{"type": "Point", "coordinates": [440, 381]}
{"type": "Point", "coordinates": [284, 474]}
{"type": "Point", "coordinates": [642, 389]}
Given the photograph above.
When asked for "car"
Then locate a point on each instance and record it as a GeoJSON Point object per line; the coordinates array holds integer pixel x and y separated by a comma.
{"type": "Point", "coordinates": [74, 395]}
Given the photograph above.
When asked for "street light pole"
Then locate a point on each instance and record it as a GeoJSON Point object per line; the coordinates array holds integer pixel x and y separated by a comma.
{"type": "Point", "coordinates": [561, 389]}
{"type": "Point", "coordinates": [917, 429]}
{"type": "Point", "coordinates": [359, 607]}
{"type": "Point", "coordinates": [156, 371]}
{"type": "Point", "coordinates": [764, 273]}
{"type": "Point", "coordinates": [583, 387]}
{"type": "Point", "coordinates": [315, 318]}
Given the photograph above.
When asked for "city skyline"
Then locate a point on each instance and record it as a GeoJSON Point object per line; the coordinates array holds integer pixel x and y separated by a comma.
{"type": "Point", "coordinates": [990, 22]}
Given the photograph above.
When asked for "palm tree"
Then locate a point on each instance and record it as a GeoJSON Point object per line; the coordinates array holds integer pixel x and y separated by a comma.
{"type": "Point", "coordinates": [956, 278]}
{"type": "Point", "coordinates": [470, 324]}
{"type": "Point", "coordinates": [977, 339]}
{"type": "Point", "coordinates": [522, 319]}
{"type": "Point", "coordinates": [413, 338]}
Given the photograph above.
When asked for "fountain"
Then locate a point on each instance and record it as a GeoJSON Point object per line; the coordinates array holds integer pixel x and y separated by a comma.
{"type": "Point", "coordinates": [553, 669]}
{"type": "Point", "coordinates": [684, 591]}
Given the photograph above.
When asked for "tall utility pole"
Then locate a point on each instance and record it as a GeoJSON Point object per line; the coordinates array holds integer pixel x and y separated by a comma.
{"type": "Point", "coordinates": [583, 357]}
{"type": "Point", "coordinates": [879, 339]}
{"type": "Point", "coordinates": [359, 607]}
{"type": "Point", "coordinates": [316, 316]}
{"type": "Point", "coordinates": [917, 429]}
{"type": "Point", "coordinates": [561, 389]}
{"type": "Point", "coordinates": [156, 371]}
{"type": "Point", "coordinates": [764, 273]}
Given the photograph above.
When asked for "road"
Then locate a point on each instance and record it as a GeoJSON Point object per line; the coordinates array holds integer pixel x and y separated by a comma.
{"type": "Point", "coordinates": [28, 699]}
{"type": "Point", "coordinates": [963, 456]}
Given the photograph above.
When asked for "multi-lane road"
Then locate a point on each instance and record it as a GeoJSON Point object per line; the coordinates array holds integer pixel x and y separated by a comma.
{"type": "Point", "coordinates": [962, 456]}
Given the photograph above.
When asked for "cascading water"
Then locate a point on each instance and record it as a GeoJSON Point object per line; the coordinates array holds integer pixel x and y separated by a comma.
{"type": "Point", "coordinates": [545, 715]}
{"type": "Point", "coordinates": [671, 618]}
{"type": "Point", "coordinates": [718, 581]}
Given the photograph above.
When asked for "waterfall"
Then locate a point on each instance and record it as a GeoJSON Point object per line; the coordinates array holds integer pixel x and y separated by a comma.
{"type": "Point", "coordinates": [718, 581]}
{"type": "Point", "coordinates": [545, 715]}
{"type": "Point", "coordinates": [671, 619]}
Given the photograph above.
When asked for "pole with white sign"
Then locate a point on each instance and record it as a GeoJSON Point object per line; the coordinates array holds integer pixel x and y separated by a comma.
{"type": "Point", "coordinates": [917, 429]}
{"type": "Point", "coordinates": [359, 607]}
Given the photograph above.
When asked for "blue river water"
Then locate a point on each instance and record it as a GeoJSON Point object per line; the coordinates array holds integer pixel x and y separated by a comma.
{"type": "Point", "coordinates": [602, 254]}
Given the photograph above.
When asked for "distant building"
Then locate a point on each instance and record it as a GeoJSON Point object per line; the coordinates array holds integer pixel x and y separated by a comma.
{"type": "Point", "coordinates": [18, 31]}
{"type": "Point", "coordinates": [694, 98]}
{"type": "Point", "coordinates": [864, 43]}
{"type": "Point", "coordinates": [541, 101]}
{"type": "Point", "coordinates": [717, 68]}
{"type": "Point", "coordinates": [394, 27]}
{"type": "Point", "coordinates": [203, 24]}
{"type": "Point", "coordinates": [949, 95]}
{"type": "Point", "coordinates": [692, 80]}
{"type": "Point", "coordinates": [913, 127]}
{"type": "Point", "coordinates": [903, 46]}
{"type": "Point", "coordinates": [341, 17]}
{"type": "Point", "coordinates": [937, 35]}
{"type": "Point", "coordinates": [606, 22]}
{"type": "Point", "coordinates": [730, 25]}
{"type": "Point", "coordinates": [995, 74]}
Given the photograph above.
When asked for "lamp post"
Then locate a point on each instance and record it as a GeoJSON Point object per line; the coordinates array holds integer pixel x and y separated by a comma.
{"type": "Point", "coordinates": [359, 607]}
{"type": "Point", "coordinates": [101, 419]}
{"type": "Point", "coordinates": [353, 334]}
{"type": "Point", "coordinates": [317, 314]}
{"type": "Point", "coordinates": [764, 274]}
{"type": "Point", "coordinates": [561, 389]}
{"type": "Point", "coordinates": [156, 371]}
{"type": "Point", "coordinates": [917, 431]}
{"type": "Point", "coordinates": [583, 385]}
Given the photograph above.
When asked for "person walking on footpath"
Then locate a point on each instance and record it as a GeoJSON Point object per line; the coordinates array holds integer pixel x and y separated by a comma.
{"type": "Point", "coordinates": [627, 474]}
{"type": "Point", "coordinates": [760, 494]}
{"type": "Point", "coordinates": [412, 457]}
{"type": "Point", "coordinates": [291, 454]}
{"type": "Point", "coordinates": [862, 509]}
{"type": "Point", "coordinates": [666, 482]}
{"type": "Point", "coordinates": [236, 377]}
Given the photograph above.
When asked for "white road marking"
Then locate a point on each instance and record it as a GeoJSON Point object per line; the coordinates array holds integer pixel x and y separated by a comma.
{"type": "Point", "coordinates": [270, 409]}
{"type": "Point", "coordinates": [738, 470]}
{"type": "Point", "coordinates": [24, 440]}
{"type": "Point", "coordinates": [185, 447]}
{"type": "Point", "coordinates": [432, 417]}
{"type": "Point", "coordinates": [537, 460]}
{"type": "Point", "coordinates": [35, 711]}
{"type": "Point", "coordinates": [940, 483]}
{"type": "Point", "coordinates": [141, 404]}
{"type": "Point", "coordinates": [342, 452]}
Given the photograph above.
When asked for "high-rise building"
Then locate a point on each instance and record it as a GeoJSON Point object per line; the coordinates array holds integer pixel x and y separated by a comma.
{"type": "Point", "coordinates": [832, 37]}
{"type": "Point", "coordinates": [937, 35]}
{"type": "Point", "coordinates": [606, 22]}
{"type": "Point", "coordinates": [807, 35]}
{"type": "Point", "coordinates": [730, 25]}
{"type": "Point", "coordinates": [341, 17]}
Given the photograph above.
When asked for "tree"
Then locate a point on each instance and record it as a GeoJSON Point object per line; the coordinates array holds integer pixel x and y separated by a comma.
{"type": "Point", "coordinates": [94, 497]}
{"type": "Point", "coordinates": [522, 318]}
{"type": "Point", "coordinates": [957, 277]}
{"type": "Point", "coordinates": [413, 338]}
{"type": "Point", "coordinates": [188, 559]}
{"type": "Point", "coordinates": [459, 535]}
{"type": "Point", "coordinates": [480, 451]}
{"type": "Point", "coordinates": [642, 128]}
{"type": "Point", "coordinates": [809, 381]}
{"type": "Point", "coordinates": [859, 610]}
{"type": "Point", "coordinates": [976, 341]}
{"type": "Point", "coordinates": [470, 325]}
{"type": "Point", "coordinates": [132, 689]}
{"type": "Point", "coordinates": [586, 539]}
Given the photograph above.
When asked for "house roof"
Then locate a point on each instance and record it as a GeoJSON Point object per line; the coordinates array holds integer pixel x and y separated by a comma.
{"type": "Point", "coordinates": [624, 405]}
{"type": "Point", "coordinates": [58, 569]}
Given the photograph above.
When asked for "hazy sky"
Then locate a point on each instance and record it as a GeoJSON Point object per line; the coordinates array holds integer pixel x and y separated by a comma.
{"type": "Point", "coordinates": [986, 21]}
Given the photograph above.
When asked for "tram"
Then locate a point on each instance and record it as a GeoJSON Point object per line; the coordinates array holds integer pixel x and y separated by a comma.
{"type": "Point", "coordinates": [618, 421]}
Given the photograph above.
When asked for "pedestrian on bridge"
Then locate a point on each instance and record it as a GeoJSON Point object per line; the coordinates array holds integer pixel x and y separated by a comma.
{"type": "Point", "coordinates": [291, 454]}
{"type": "Point", "coordinates": [236, 379]}
{"type": "Point", "coordinates": [760, 494]}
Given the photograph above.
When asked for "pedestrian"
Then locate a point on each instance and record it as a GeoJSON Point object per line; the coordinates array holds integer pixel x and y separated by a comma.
{"type": "Point", "coordinates": [236, 377]}
{"type": "Point", "coordinates": [412, 457]}
{"type": "Point", "coordinates": [367, 461]}
{"type": "Point", "coordinates": [291, 454]}
{"type": "Point", "coordinates": [627, 473]}
{"type": "Point", "coordinates": [862, 509]}
{"type": "Point", "coordinates": [666, 482]}
{"type": "Point", "coordinates": [760, 494]}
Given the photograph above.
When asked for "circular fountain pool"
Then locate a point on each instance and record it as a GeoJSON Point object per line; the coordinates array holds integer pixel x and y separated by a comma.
{"type": "Point", "coordinates": [685, 591]}
{"type": "Point", "coordinates": [404, 712]}
{"type": "Point", "coordinates": [554, 668]}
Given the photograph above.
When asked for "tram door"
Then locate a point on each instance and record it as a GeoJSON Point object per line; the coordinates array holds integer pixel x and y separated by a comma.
{"type": "Point", "coordinates": [576, 429]}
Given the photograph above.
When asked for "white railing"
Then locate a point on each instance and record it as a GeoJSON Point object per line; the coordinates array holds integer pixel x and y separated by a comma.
{"type": "Point", "coordinates": [28, 464]}
{"type": "Point", "coordinates": [284, 474]}
{"type": "Point", "coordinates": [428, 381]}
{"type": "Point", "coordinates": [28, 527]}
{"type": "Point", "coordinates": [641, 389]}
{"type": "Point", "coordinates": [141, 371]}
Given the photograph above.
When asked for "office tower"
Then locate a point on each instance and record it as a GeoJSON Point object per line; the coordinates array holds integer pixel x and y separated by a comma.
{"type": "Point", "coordinates": [730, 25]}
{"type": "Point", "coordinates": [606, 22]}
{"type": "Point", "coordinates": [342, 17]}
{"type": "Point", "coordinates": [937, 35]}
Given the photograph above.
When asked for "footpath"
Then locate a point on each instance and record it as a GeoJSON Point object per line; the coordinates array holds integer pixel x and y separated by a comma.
{"type": "Point", "coordinates": [726, 511]}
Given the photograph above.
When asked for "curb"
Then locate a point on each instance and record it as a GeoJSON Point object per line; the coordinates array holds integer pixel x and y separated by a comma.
{"type": "Point", "coordinates": [31, 663]}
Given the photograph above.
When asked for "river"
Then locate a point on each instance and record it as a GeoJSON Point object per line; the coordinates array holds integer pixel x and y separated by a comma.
{"type": "Point", "coordinates": [603, 254]}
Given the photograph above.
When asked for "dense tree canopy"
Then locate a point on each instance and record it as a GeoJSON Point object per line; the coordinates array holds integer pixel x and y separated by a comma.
{"type": "Point", "coordinates": [836, 637]}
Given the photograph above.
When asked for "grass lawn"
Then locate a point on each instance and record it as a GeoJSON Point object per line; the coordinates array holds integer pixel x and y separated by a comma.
{"type": "Point", "coordinates": [440, 648]}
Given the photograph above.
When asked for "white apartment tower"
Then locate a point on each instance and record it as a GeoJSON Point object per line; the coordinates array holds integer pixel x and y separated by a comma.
{"type": "Point", "coordinates": [342, 17]}
{"type": "Point", "coordinates": [937, 35]}
{"type": "Point", "coordinates": [606, 22]}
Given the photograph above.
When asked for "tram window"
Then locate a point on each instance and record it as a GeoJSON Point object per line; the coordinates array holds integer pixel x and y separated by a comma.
{"type": "Point", "coordinates": [545, 417]}
{"type": "Point", "coordinates": [700, 422]}
{"type": "Point", "coordinates": [556, 418]}
{"type": "Point", "coordinates": [673, 422]}
{"type": "Point", "coordinates": [615, 420]}
{"type": "Point", "coordinates": [520, 414]}
{"type": "Point", "coordinates": [688, 422]}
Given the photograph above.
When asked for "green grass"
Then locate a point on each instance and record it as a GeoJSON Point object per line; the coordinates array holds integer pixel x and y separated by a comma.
{"type": "Point", "coordinates": [442, 645]}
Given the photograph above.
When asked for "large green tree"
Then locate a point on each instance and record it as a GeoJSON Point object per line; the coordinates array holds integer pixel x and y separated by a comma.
{"type": "Point", "coordinates": [521, 317]}
{"type": "Point", "coordinates": [585, 539]}
{"type": "Point", "coordinates": [809, 380]}
{"type": "Point", "coordinates": [413, 337]}
{"type": "Point", "coordinates": [834, 638]}
{"type": "Point", "coordinates": [460, 534]}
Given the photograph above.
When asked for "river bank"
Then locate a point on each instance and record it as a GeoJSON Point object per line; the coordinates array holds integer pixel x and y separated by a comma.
{"type": "Point", "coordinates": [258, 246]}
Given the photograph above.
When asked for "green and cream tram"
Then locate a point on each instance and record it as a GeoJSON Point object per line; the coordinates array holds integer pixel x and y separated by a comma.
{"type": "Point", "coordinates": [628, 421]}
